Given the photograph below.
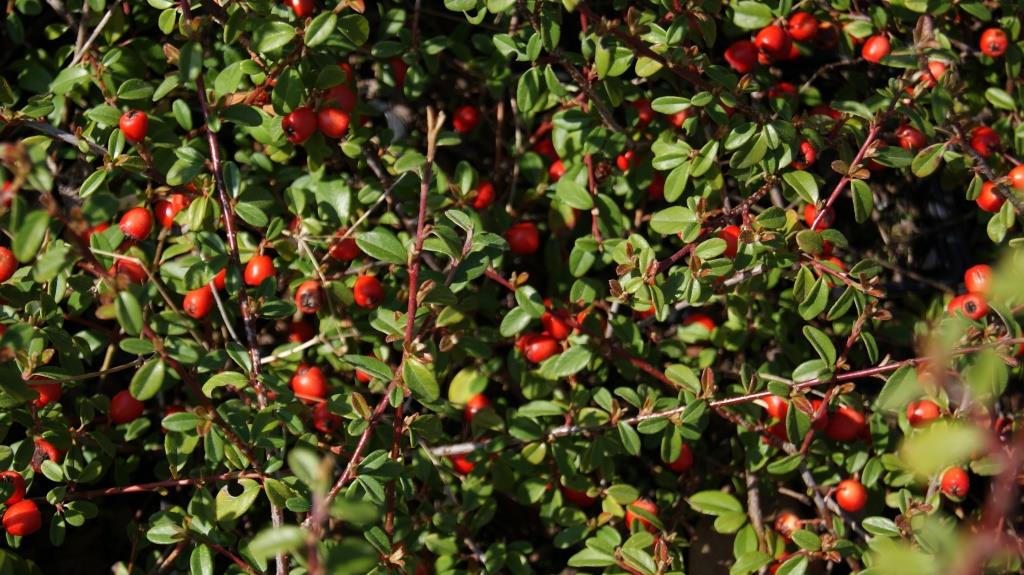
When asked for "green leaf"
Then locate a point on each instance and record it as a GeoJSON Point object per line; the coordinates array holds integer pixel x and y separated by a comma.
{"type": "Point", "coordinates": [796, 565]}
{"type": "Point", "coordinates": [1000, 99]}
{"type": "Point", "coordinates": [629, 437]}
{"type": "Point", "coordinates": [420, 379]}
{"type": "Point", "coordinates": [134, 89]}
{"type": "Point", "coordinates": [528, 90]}
{"type": "Point", "coordinates": [129, 312]}
{"type": "Point", "coordinates": [863, 200]}
{"type": "Point", "coordinates": [320, 28]}
{"type": "Point", "coordinates": [714, 503]}
{"type": "Point", "coordinates": [821, 344]}
{"type": "Point", "coordinates": [927, 160]}
{"type": "Point", "coordinates": [381, 244]}
{"type": "Point", "coordinates": [901, 388]}
{"type": "Point", "coordinates": [272, 36]}
{"type": "Point", "coordinates": [573, 194]}
{"type": "Point", "coordinates": [514, 322]}
{"type": "Point", "coordinates": [190, 61]}
{"type": "Point", "coordinates": [228, 79]}
{"type": "Point", "coordinates": [183, 421]}
{"type": "Point", "coordinates": [223, 379]}
{"type": "Point", "coordinates": [30, 235]}
{"type": "Point", "coordinates": [670, 104]}
{"type": "Point", "coordinates": [803, 184]}
{"type": "Point", "coordinates": [751, 15]}
{"type": "Point", "coordinates": [468, 382]}
{"type": "Point", "coordinates": [201, 561]}
{"type": "Point", "coordinates": [806, 540]}
{"type": "Point", "coordinates": [372, 366]}
{"type": "Point", "coordinates": [355, 29]}
{"type": "Point", "coordinates": [588, 557]}
{"type": "Point", "coordinates": [816, 300]}
{"type": "Point", "coordinates": [230, 507]}
{"type": "Point", "coordinates": [567, 363]}
{"type": "Point", "coordinates": [882, 526]}
{"type": "Point", "coordinates": [148, 380]}
{"type": "Point", "coordinates": [941, 444]}
{"type": "Point", "coordinates": [672, 220]}
{"type": "Point", "coordinates": [530, 301]}
{"type": "Point", "coordinates": [274, 540]}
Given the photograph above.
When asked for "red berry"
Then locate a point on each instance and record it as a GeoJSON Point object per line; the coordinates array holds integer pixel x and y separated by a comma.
{"type": "Point", "coordinates": [802, 26]}
{"type": "Point", "coordinates": [955, 482]}
{"type": "Point", "coordinates": [45, 450]}
{"type": "Point", "coordinates": [309, 383]}
{"type": "Point", "coordinates": [131, 270]}
{"type": "Point", "coordinates": [475, 404]}
{"type": "Point", "coordinates": [344, 250]}
{"type": "Point", "coordinates": [342, 96]}
{"type": "Point", "coordinates": [920, 413]}
{"type": "Point", "coordinates": [576, 497]}
{"type": "Point", "coordinates": [17, 486]}
{"type": "Point", "coordinates": [809, 154]}
{"type": "Point", "coordinates": [523, 238]}
{"type": "Point", "coordinates": [101, 227]}
{"type": "Point", "coordinates": [124, 407]}
{"type": "Point", "coordinates": [555, 324]}
{"type": "Point", "coordinates": [136, 223]}
{"type": "Point", "coordinates": [8, 265]}
{"type": "Point", "coordinates": [538, 347]}
{"type": "Point", "coordinates": [846, 424]}
{"type": "Point", "coordinates": [972, 305]}
{"type": "Point", "coordinates": [165, 213]}
{"type": "Point", "coordinates": [656, 189]}
{"type": "Point", "coordinates": [876, 48]}
{"type": "Point", "coordinates": [910, 138]}
{"type": "Point", "coordinates": [684, 461]}
{"type": "Point", "coordinates": [644, 112]}
{"type": "Point", "coordinates": [307, 296]}
{"type": "Point", "coordinates": [680, 117]}
{"type": "Point", "coordinates": [1017, 177]}
{"type": "Point", "coordinates": [936, 70]}
{"type": "Point", "coordinates": [466, 119]}
{"type": "Point", "coordinates": [299, 125]}
{"type": "Point", "coordinates": [300, 331]}
{"type": "Point", "coordinates": [462, 465]}
{"type": "Point", "coordinates": [742, 56]}
{"type": "Point", "coordinates": [547, 149]}
{"type": "Point", "coordinates": [774, 41]}
{"type": "Point", "coordinates": [787, 523]}
{"type": "Point", "coordinates": [198, 302]}
{"type": "Point", "coordinates": [332, 122]}
{"type": "Point", "coordinates": [977, 279]}
{"type": "Point", "coordinates": [259, 268]}
{"type": "Point", "coordinates": [134, 125]}
{"type": "Point", "coordinates": [368, 292]}
{"type": "Point", "coordinates": [624, 161]}
{"type": "Point", "coordinates": [556, 170]}
{"type": "Point", "coordinates": [984, 140]}
{"type": "Point", "coordinates": [826, 221]}
{"type": "Point", "coordinates": [323, 420]}
{"type": "Point", "coordinates": [776, 406]}
{"type": "Point", "coordinates": [731, 235]}
{"type": "Point", "coordinates": [398, 70]}
{"type": "Point", "coordinates": [302, 8]}
{"type": "Point", "coordinates": [988, 200]}
{"type": "Point", "coordinates": [851, 495]}
{"type": "Point", "coordinates": [484, 195]}
{"type": "Point", "coordinates": [48, 393]}
{"type": "Point", "coordinates": [782, 90]}
{"type": "Point", "coordinates": [363, 377]}
{"type": "Point", "coordinates": [645, 505]}
{"type": "Point", "coordinates": [993, 42]}
{"type": "Point", "coordinates": [22, 518]}
{"type": "Point", "coordinates": [220, 280]}
{"type": "Point", "coordinates": [700, 319]}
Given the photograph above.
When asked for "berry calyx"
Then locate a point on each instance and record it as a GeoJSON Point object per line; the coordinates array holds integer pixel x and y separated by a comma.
{"type": "Point", "coordinates": [955, 482]}
{"type": "Point", "coordinates": [774, 41]}
{"type": "Point", "coordinates": [876, 48]}
{"type": "Point", "coordinates": [978, 278]}
{"type": "Point", "coordinates": [802, 26]}
{"type": "Point", "coordinates": [684, 461]}
{"type": "Point", "coordinates": [475, 404]}
{"type": "Point", "coordinates": [22, 518]}
{"type": "Point", "coordinates": [134, 125]}
{"type": "Point", "coordinates": [988, 199]}
{"type": "Point", "coordinates": [333, 122]}
{"type": "Point", "coordinates": [643, 505]}
{"type": "Point", "coordinates": [851, 495]}
{"type": "Point", "coordinates": [124, 407]}
{"type": "Point", "coordinates": [741, 55]}
{"type": "Point", "coordinates": [136, 223]}
{"type": "Point", "coordinates": [920, 413]}
{"type": "Point", "coordinates": [198, 302]}
{"type": "Point", "coordinates": [307, 296]}
{"type": "Point", "coordinates": [17, 486]}
{"type": "Point", "coordinates": [731, 235]}
{"type": "Point", "coordinates": [484, 196]}
{"type": "Point", "coordinates": [368, 292]}
{"type": "Point", "coordinates": [466, 119]}
{"type": "Point", "coordinates": [299, 125]}
{"type": "Point", "coordinates": [259, 268]}
{"type": "Point", "coordinates": [8, 264]}
{"type": "Point", "coordinates": [523, 238]}
{"type": "Point", "coordinates": [309, 383]}
{"type": "Point", "coordinates": [993, 42]}
{"type": "Point", "coordinates": [972, 305]}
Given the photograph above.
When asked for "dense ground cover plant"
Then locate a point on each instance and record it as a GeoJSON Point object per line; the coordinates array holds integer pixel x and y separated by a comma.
{"type": "Point", "coordinates": [511, 286]}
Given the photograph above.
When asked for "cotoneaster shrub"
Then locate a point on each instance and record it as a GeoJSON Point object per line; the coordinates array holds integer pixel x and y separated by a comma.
{"type": "Point", "coordinates": [511, 287]}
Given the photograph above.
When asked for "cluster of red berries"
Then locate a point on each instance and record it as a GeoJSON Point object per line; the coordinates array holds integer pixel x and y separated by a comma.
{"type": "Point", "coordinates": [332, 118]}
{"type": "Point", "coordinates": [973, 304]}
{"type": "Point", "coordinates": [989, 199]}
{"type": "Point", "coordinates": [778, 42]}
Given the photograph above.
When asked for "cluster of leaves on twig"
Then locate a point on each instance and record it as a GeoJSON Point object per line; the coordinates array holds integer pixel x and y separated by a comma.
{"type": "Point", "coordinates": [510, 286]}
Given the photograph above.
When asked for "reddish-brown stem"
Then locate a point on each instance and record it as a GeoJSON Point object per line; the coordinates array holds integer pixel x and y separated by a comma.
{"type": "Point", "coordinates": [158, 485]}
{"type": "Point", "coordinates": [595, 213]}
